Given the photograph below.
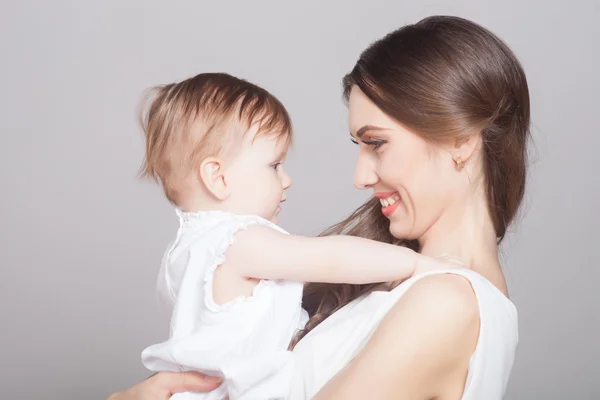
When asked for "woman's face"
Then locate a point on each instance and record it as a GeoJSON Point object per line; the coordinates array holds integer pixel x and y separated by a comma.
{"type": "Point", "coordinates": [415, 180]}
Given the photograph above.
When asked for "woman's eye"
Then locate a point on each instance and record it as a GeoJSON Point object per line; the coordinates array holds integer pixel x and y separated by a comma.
{"type": "Point", "coordinates": [276, 166]}
{"type": "Point", "coordinates": [375, 143]}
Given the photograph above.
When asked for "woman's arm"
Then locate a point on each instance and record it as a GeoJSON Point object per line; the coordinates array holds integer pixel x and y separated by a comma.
{"type": "Point", "coordinates": [263, 253]}
{"type": "Point", "coordinates": [420, 351]}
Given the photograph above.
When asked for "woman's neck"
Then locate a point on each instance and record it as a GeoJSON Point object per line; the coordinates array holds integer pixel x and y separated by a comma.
{"type": "Point", "coordinates": [465, 232]}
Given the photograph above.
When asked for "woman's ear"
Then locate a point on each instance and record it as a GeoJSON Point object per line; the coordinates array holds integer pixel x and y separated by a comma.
{"type": "Point", "coordinates": [212, 175]}
{"type": "Point", "coordinates": [464, 148]}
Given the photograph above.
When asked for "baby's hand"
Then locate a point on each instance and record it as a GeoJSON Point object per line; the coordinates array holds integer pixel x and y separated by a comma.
{"type": "Point", "coordinates": [426, 264]}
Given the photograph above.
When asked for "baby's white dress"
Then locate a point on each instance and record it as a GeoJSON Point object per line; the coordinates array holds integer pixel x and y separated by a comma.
{"type": "Point", "coordinates": [244, 341]}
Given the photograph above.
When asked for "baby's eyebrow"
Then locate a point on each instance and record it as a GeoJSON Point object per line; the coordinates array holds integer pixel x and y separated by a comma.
{"type": "Point", "coordinates": [281, 155]}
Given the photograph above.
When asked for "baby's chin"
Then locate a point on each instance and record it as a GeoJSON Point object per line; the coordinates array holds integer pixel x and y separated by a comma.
{"type": "Point", "coordinates": [275, 218]}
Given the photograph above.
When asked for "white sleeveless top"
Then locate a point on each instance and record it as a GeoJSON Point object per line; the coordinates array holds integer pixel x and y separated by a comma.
{"type": "Point", "coordinates": [329, 347]}
{"type": "Point", "coordinates": [244, 341]}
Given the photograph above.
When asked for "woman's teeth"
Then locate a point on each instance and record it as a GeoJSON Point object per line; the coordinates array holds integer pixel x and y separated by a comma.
{"type": "Point", "coordinates": [388, 201]}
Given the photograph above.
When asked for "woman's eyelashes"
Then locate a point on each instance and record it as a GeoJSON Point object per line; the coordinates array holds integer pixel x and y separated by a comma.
{"type": "Point", "coordinates": [276, 165]}
{"type": "Point", "coordinates": [375, 143]}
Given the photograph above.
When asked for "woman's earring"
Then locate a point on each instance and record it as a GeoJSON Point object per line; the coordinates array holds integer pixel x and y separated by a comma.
{"type": "Point", "coordinates": [459, 163]}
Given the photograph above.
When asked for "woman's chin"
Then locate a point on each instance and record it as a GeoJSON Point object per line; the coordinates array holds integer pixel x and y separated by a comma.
{"type": "Point", "coordinates": [402, 230]}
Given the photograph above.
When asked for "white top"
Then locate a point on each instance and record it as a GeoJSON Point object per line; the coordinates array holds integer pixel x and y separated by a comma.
{"type": "Point", "coordinates": [336, 341]}
{"type": "Point", "coordinates": [245, 341]}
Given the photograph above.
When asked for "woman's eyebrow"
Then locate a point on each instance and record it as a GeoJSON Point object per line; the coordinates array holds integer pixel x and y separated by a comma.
{"type": "Point", "coordinates": [366, 128]}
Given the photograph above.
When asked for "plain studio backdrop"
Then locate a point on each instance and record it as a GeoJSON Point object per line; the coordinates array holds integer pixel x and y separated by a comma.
{"type": "Point", "coordinates": [82, 239]}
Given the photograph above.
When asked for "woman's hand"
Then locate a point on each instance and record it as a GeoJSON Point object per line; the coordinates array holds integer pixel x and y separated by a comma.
{"type": "Point", "coordinates": [163, 385]}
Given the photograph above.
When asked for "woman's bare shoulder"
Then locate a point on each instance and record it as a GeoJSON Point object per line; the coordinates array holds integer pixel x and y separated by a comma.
{"type": "Point", "coordinates": [436, 300]}
{"type": "Point", "coordinates": [436, 322]}
{"type": "Point", "coordinates": [422, 347]}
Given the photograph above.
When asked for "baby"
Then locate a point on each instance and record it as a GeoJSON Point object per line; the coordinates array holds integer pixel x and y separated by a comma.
{"type": "Point", "coordinates": [217, 144]}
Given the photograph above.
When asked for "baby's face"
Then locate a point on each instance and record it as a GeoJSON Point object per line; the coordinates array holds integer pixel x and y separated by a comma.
{"type": "Point", "coordinates": [257, 180]}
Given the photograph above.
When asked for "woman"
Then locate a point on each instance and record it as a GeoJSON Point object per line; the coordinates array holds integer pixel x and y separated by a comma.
{"type": "Point", "coordinates": [440, 112]}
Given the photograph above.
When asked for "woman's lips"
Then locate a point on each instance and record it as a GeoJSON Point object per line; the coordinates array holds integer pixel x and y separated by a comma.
{"type": "Point", "coordinates": [389, 202]}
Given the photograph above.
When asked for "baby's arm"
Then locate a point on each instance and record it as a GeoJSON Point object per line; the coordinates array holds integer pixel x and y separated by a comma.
{"type": "Point", "coordinates": [264, 253]}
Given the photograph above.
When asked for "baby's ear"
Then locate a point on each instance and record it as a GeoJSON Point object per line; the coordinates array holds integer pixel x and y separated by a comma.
{"type": "Point", "coordinates": [211, 173]}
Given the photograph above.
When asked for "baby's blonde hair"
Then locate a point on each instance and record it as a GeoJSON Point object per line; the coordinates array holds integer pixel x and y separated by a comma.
{"type": "Point", "coordinates": [200, 117]}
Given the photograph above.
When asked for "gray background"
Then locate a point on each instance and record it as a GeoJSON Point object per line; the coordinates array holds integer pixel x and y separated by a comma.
{"type": "Point", "coordinates": [81, 238]}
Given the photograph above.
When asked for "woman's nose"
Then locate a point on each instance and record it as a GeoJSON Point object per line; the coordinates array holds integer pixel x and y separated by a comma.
{"type": "Point", "coordinates": [364, 173]}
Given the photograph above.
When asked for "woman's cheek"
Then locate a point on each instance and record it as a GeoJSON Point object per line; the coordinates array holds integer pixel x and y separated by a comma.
{"type": "Point", "coordinates": [392, 170]}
